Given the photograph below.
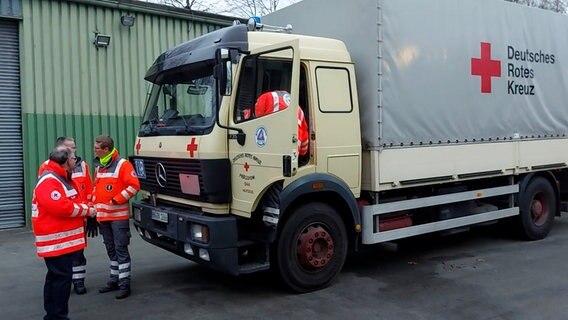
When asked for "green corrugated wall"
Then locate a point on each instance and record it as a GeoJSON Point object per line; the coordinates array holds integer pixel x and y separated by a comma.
{"type": "Point", "coordinates": [71, 88]}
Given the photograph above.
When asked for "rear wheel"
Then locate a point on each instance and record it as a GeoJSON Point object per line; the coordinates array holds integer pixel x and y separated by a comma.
{"type": "Point", "coordinates": [311, 247]}
{"type": "Point", "coordinates": [537, 207]}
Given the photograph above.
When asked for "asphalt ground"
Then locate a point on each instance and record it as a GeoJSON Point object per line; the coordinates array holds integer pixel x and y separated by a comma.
{"type": "Point", "coordinates": [486, 273]}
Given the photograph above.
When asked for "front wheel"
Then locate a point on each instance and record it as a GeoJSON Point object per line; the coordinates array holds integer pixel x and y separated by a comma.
{"type": "Point", "coordinates": [537, 207]}
{"type": "Point", "coordinates": [311, 247]}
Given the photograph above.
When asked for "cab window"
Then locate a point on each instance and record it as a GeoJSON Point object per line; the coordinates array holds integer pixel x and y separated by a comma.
{"type": "Point", "coordinates": [262, 73]}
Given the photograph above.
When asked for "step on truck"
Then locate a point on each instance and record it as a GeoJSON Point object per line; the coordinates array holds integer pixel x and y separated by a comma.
{"type": "Point", "coordinates": [423, 116]}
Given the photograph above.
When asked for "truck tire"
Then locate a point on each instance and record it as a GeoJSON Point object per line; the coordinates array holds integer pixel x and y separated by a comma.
{"type": "Point", "coordinates": [537, 207]}
{"type": "Point", "coordinates": [311, 247]}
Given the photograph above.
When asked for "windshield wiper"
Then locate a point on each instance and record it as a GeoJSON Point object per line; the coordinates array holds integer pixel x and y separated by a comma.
{"type": "Point", "coordinates": [187, 128]}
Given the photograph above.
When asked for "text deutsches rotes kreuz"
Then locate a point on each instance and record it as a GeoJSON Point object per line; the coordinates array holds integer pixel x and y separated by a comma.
{"type": "Point", "coordinates": [520, 72]}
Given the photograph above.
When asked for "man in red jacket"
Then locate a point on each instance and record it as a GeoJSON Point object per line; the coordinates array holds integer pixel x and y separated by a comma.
{"type": "Point", "coordinates": [274, 101]}
{"type": "Point", "coordinates": [57, 220]}
{"type": "Point", "coordinates": [82, 179]}
{"type": "Point", "coordinates": [115, 184]}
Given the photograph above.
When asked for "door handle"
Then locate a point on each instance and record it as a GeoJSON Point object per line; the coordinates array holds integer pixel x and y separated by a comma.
{"type": "Point", "coordinates": [287, 166]}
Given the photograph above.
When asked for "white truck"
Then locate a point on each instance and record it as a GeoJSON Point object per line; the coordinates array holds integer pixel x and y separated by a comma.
{"type": "Point", "coordinates": [423, 116]}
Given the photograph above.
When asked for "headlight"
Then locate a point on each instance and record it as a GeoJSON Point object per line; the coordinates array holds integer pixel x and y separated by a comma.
{"type": "Point", "coordinates": [199, 232]}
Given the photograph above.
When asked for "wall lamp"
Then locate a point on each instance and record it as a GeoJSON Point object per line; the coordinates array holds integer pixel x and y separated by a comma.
{"type": "Point", "coordinates": [101, 40]}
{"type": "Point", "coordinates": [127, 20]}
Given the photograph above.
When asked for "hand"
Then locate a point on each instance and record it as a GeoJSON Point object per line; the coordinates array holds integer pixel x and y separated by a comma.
{"type": "Point", "coordinates": [92, 227]}
{"type": "Point", "coordinates": [92, 212]}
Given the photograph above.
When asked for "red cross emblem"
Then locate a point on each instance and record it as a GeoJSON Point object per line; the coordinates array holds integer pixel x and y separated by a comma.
{"type": "Point", "coordinates": [138, 146]}
{"type": "Point", "coordinates": [246, 166]}
{"type": "Point", "coordinates": [485, 67]}
{"type": "Point", "coordinates": [191, 147]}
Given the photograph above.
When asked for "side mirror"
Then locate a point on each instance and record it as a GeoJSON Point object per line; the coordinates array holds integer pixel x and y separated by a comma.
{"type": "Point", "coordinates": [228, 78]}
{"type": "Point", "coordinates": [223, 72]}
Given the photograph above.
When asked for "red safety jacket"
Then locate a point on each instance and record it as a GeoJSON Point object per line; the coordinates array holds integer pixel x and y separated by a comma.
{"type": "Point", "coordinates": [57, 213]}
{"type": "Point", "coordinates": [303, 138]}
{"type": "Point", "coordinates": [81, 177]}
{"type": "Point", "coordinates": [115, 184]}
{"type": "Point", "coordinates": [273, 101]}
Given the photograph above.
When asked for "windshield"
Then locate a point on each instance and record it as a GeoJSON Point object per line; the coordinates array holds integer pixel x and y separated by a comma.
{"type": "Point", "coordinates": [183, 106]}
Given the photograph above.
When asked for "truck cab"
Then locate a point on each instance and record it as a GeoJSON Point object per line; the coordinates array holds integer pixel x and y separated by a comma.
{"type": "Point", "coordinates": [220, 183]}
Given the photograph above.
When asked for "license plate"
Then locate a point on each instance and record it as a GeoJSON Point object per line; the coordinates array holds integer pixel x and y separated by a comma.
{"type": "Point", "coordinates": [160, 216]}
{"type": "Point", "coordinates": [140, 170]}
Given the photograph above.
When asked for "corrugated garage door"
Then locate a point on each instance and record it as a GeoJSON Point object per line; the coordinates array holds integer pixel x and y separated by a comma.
{"type": "Point", "coordinates": [11, 148]}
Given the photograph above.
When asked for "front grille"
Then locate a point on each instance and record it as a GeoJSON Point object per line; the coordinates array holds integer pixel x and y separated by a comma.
{"type": "Point", "coordinates": [173, 168]}
{"type": "Point", "coordinates": [214, 179]}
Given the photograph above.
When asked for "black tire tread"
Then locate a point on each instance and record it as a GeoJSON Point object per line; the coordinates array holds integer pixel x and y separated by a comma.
{"type": "Point", "coordinates": [527, 228]}
{"type": "Point", "coordinates": [292, 274]}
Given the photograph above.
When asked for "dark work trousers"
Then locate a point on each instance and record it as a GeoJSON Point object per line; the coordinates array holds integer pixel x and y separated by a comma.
{"type": "Point", "coordinates": [79, 266]}
{"type": "Point", "coordinates": [57, 287]}
{"type": "Point", "coordinates": [116, 236]}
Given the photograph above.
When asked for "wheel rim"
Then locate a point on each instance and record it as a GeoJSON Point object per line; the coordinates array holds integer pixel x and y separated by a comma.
{"type": "Point", "coordinates": [539, 209]}
{"type": "Point", "coordinates": [315, 247]}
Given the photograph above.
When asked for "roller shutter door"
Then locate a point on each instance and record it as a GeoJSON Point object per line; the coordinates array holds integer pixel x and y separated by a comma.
{"type": "Point", "coordinates": [11, 146]}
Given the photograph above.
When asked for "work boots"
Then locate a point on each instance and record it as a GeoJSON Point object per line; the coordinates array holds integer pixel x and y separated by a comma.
{"type": "Point", "coordinates": [123, 293]}
{"type": "Point", "coordinates": [111, 286]}
{"type": "Point", "coordinates": [79, 288]}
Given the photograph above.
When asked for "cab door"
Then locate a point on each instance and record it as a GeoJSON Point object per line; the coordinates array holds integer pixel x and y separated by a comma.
{"type": "Point", "coordinates": [270, 151]}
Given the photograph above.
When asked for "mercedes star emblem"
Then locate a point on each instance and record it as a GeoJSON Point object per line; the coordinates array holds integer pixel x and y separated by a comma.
{"type": "Point", "coordinates": [161, 176]}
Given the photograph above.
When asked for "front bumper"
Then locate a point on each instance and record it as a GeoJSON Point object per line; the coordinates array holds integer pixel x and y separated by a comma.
{"type": "Point", "coordinates": [220, 253]}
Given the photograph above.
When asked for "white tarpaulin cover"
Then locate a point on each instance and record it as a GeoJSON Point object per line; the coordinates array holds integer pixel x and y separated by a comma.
{"type": "Point", "coordinates": [447, 70]}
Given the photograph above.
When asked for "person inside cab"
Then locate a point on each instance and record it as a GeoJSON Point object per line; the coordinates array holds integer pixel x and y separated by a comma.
{"type": "Point", "coordinates": [273, 101]}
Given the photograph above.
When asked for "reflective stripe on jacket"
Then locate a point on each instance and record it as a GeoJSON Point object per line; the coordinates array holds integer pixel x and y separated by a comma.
{"type": "Point", "coordinates": [270, 102]}
{"type": "Point", "coordinates": [57, 213]}
{"type": "Point", "coordinates": [116, 181]}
